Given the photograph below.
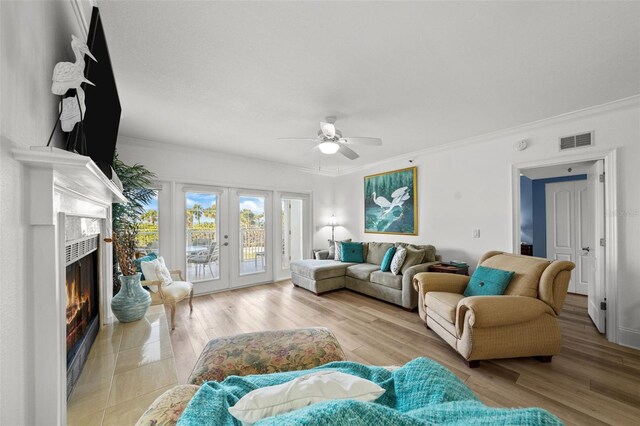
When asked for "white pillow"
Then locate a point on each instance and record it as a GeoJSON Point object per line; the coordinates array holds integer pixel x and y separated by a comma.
{"type": "Point", "coordinates": [162, 272]}
{"type": "Point", "coordinates": [301, 392]}
{"type": "Point", "coordinates": [398, 260]}
{"type": "Point", "coordinates": [149, 272]}
{"type": "Point", "coordinates": [338, 250]}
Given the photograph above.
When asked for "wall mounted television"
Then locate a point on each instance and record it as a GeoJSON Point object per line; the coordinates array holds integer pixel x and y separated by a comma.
{"type": "Point", "coordinates": [98, 134]}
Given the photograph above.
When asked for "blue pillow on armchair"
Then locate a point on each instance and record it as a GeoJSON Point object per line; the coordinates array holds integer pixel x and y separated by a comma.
{"type": "Point", "coordinates": [147, 258]}
{"type": "Point", "coordinates": [488, 282]}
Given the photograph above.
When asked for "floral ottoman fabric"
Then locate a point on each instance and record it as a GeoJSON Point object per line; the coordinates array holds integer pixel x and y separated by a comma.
{"type": "Point", "coordinates": [168, 407]}
{"type": "Point", "coordinates": [266, 352]}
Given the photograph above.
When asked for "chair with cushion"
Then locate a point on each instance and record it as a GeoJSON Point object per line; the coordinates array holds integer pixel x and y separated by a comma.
{"type": "Point", "coordinates": [166, 286]}
{"type": "Point", "coordinates": [520, 323]}
{"type": "Point", "coordinates": [206, 257]}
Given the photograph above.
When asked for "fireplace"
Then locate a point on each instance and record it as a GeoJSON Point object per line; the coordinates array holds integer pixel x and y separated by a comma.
{"type": "Point", "coordinates": [82, 309]}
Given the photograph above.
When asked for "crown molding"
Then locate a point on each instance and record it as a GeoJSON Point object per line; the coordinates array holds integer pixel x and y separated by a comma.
{"type": "Point", "coordinates": [151, 144]}
{"type": "Point", "coordinates": [620, 104]}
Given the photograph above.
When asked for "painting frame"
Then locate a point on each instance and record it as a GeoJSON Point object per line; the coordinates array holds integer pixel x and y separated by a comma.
{"type": "Point", "coordinates": [377, 194]}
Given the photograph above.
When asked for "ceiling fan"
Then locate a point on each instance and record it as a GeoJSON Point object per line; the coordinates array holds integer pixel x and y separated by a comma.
{"type": "Point", "coordinates": [330, 140]}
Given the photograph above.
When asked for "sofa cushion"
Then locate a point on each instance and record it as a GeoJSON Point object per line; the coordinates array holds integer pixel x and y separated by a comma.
{"type": "Point", "coordinates": [398, 260]}
{"type": "Point", "coordinates": [528, 271]}
{"type": "Point", "coordinates": [386, 279]}
{"type": "Point", "coordinates": [351, 252]}
{"type": "Point", "coordinates": [385, 265]}
{"type": "Point", "coordinates": [443, 303]}
{"type": "Point", "coordinates": [377, 251]}
{"type": "Point", "coordinates": [430, 251]}
{"type": "Point", "coordinates": [332, 247]}
{"type": "Point", "coordinates": [413, 258]}
{"type": "Point", "coordinates": [362, 271]}
{"type": "Point", "coordinates": [319, 269]}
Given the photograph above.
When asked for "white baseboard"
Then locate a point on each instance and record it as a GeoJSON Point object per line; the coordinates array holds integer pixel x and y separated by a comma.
{"type": "Point", "coordinates": [629, 337]}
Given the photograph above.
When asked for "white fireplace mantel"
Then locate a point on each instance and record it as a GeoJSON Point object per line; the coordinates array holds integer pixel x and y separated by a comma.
{"type": "Point", "coordinates": [59, 184]}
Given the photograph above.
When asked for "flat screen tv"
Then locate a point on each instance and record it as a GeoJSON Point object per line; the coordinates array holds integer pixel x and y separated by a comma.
{"type": "Point", "coordinates": [97, 135]}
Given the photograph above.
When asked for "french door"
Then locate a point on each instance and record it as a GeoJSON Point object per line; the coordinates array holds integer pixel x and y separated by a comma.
{"type": "Point", "coordinates": [227, 237]}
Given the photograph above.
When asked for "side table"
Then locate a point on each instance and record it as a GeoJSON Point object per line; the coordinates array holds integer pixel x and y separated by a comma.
{"type": "Point", "coordinates": [449, 269]}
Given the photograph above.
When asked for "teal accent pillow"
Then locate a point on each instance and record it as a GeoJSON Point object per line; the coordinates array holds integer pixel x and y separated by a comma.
{"type": "Point", "coordinates": [488, 282]}
{"type": "Point", "coordinates": [351, 252]}
{"type": "Point", "coordinates": [385, 266]}
{"type": "Point", "coordinates": [147, 258]}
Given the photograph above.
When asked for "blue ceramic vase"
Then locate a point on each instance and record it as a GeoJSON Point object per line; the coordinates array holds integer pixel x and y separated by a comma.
{"type": "Point", "coordinates": [132, 301]}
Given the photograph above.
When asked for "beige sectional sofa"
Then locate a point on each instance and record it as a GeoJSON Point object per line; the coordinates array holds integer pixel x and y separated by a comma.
{"type": "Point", "coordinates": [323, 275]}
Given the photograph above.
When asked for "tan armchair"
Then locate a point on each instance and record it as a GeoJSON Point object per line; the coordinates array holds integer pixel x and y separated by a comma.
{"type": "Point", "coordinates": [171, 294]}
{"type": "Point", "coordinates": [522, 322]}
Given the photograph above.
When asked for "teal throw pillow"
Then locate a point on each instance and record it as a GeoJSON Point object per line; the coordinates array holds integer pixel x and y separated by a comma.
{"type": "Point", "coordinates": [385, 266]}
{"type": "Point", "coordinates": [488, 282]}
{"type": "Point", "coordinates": [351, 252]}
{"type": "Point", "coordinates": [147, 258]}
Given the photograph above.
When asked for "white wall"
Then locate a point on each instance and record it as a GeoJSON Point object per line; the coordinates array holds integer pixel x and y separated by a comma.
{"type": "Point", "coordinates": [468, 185]}
{"type": "Point", "coordinates": [34, 36]}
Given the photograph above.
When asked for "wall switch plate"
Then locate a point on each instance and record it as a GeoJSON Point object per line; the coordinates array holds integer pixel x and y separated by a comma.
{"type": "Point", "coordinates": [476, 233]}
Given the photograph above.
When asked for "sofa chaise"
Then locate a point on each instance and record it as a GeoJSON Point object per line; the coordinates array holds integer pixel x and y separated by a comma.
{"type": "Point", "coordinates": [323, 275]}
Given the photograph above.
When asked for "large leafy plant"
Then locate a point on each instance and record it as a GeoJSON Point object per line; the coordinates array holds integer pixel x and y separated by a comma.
{"type": "Point", "coordinates": [136, 187]}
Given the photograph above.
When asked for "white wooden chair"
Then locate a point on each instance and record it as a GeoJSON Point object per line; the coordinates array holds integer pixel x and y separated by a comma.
{"type": "Point", "coordinates": [171, 294]}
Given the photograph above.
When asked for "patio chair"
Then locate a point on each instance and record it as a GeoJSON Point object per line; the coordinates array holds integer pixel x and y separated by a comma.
{"type": "Point", "coordinates": [205, 257]}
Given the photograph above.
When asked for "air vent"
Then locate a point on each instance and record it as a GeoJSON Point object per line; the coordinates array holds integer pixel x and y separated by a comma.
{"type": "Point", "coordinates": [77, 249]}
{"type": "Point", "coordinates": [576, 141]}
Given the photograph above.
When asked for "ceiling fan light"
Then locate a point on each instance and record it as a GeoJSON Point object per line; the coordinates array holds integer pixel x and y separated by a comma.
{"type": "Point", "coordinates": [329, 147]}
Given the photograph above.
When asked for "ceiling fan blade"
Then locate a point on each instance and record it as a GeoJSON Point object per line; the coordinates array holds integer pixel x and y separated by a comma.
{"type": "Point", "coordinates": [299, 139]}
{"type": "Point", "coordinates": [362, 141]}
{"type": "Point", "coordinates": [347, 152]}
{"type": "Point", "coordinates": [328, 129]}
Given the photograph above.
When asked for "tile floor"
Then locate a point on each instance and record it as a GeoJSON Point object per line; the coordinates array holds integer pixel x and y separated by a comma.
{"type": "Point", "coordinates": [129, 366]}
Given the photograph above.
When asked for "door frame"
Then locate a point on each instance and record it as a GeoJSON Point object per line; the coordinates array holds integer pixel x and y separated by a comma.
{"type": "Point", "coordinates": [611, 222]}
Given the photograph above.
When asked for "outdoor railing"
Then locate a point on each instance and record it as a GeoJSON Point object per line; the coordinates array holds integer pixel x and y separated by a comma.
{"type": "Point", "coordinates": [200, 237]}
{"type": "Point", "coordinates": [252, 241]}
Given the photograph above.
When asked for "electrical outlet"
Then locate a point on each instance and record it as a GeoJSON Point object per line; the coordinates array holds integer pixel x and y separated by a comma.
{"type": "Point", "coordinates": [476, 233]}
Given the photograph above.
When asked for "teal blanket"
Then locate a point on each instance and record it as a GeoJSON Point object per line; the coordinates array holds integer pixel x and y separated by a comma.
{"type": "Point", "coordinates": [422, 392]}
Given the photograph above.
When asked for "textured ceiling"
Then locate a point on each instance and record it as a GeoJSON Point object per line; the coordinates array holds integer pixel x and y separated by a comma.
{"type": "Point", "coordinates": [233, 77]}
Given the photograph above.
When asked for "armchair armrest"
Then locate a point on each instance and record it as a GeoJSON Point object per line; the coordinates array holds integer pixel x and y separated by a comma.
{"type": "Point", "coordinates": [437, 281]}
{"type": "Point", "coordinates": [176, 273]}
{"type": "Point", "coordinates": [491, 311]}
{"type": "Point", "coordinates": [149, 283]}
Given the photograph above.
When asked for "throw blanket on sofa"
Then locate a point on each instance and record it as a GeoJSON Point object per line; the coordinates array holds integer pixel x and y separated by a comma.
{"type": "Point", "coordinates": [422, 392]}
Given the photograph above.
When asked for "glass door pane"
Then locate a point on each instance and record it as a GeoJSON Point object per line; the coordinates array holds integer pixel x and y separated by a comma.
{"type": "Point", "coordinates": [202, 249]}
{"type": "Point", "coordinates": [292, 231]}
{"type": "Point", "coordinates": [253, 254]}
{"type": "Point", "coordinates": [147, 237]}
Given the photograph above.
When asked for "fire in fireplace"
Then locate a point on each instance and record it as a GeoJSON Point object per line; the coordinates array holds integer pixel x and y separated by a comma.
{"type": "Point", "coordinates": [82, 300]}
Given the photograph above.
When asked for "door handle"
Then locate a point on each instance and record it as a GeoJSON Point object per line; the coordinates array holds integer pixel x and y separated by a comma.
{"type": "Point", "coordinates": [225, 244]}
{"type": "Point", "coordinates": [587, 249]}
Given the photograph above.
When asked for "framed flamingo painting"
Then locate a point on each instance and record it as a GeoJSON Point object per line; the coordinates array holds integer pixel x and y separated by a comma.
{"type": "Point", "coordinates": [391, 202]}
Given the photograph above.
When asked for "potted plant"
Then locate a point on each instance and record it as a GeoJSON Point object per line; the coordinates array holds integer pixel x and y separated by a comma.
{"type": "Point", "coordinates": [132, 301]}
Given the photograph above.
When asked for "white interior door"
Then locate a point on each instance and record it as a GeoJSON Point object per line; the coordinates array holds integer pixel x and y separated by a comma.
{"type": "Point", "coordinates": [560, 210]}
{"type": "Point", "coordinates": [250, 239]}
{"type": "Point", "coordinates": [584, 236]}
{"type": "Point", "coordinates": [596, 293]}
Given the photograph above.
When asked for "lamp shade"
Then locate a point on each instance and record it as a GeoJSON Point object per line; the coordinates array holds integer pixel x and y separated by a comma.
{"type": "Point", "coordinates": [329, 147]}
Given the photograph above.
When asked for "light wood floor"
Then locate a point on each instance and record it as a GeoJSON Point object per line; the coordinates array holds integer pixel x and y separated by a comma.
{"type": "Point", "coordinates": [590, 382]}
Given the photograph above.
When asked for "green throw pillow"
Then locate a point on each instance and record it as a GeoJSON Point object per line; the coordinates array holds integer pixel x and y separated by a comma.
{"type": "Point", "coordinates": [488, 282]}
{"type": "Point", "coordinates": [385, 266]}
{"type": "Point", "coordinates": [351, 252]}
{"type": "Point", "coordinates": [147, 258]}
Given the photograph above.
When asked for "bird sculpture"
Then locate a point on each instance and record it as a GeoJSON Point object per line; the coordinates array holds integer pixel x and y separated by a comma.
{"type": "Point", "coordinates": [69, 75]}
{"type": "Point", "coordinates": [72, 110]}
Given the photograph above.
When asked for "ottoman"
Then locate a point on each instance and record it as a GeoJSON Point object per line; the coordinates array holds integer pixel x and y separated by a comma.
{"type": "Point", "coordinates": [266, 352]}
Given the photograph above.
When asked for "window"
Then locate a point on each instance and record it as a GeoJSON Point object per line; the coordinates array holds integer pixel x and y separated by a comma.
{"type": "Point", "coordinates": [252, 235]}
